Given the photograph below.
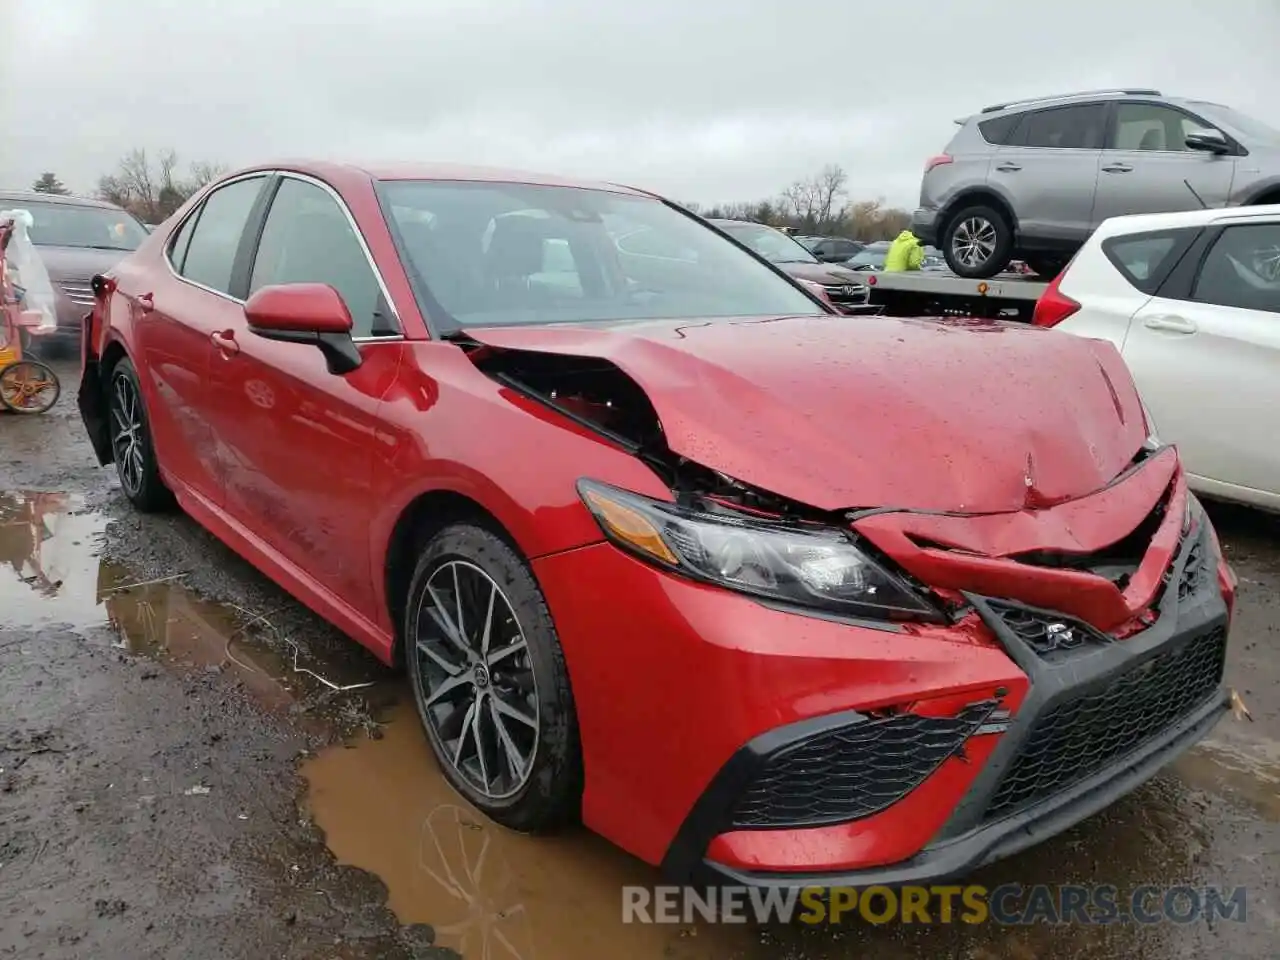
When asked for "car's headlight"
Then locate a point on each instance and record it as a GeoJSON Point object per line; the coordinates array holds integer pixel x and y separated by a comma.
{"type": "Point", "coordinates": [809, 566]}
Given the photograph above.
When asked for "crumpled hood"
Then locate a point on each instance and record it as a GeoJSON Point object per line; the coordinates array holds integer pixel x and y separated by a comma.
{"type": "Point", "coordinates": [969, 416]}
{"type": "Point", "coordinates": [822, 273]}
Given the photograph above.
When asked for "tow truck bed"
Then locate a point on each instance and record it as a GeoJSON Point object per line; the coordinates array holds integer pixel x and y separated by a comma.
{"type": "Point", "coordinates": [929, 293]}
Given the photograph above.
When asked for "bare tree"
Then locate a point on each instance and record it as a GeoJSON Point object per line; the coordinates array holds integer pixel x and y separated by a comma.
{"type": "Point", "coordinates": [872, 220]}
{"type": "Point", "coordinates": [800, 201]}
{"type": "Point", "coordinates": [817, 205]}
{"type": "Point", "coordinates": [828, 189]}
{"type": "Point", "coordinates": [152, 190]}
{"type": "Point", "coordinates": [204, 173]}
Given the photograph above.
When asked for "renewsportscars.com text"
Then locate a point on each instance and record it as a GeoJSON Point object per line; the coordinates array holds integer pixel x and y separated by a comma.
{"type": "Point", "coordinates": [1008, 904]}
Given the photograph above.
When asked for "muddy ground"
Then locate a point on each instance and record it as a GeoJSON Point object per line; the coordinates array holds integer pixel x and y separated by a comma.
{"type": "Point", "coordinates": [192, 765]}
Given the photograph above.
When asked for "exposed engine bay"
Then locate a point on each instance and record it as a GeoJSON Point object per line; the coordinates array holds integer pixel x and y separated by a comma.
{"type": "Point", "coordinates": [597, 394]}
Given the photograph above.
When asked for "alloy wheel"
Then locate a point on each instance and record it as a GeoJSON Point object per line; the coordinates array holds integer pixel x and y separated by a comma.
{"type": "Point", "coordinates": [479, 693]}
{"type": "Point", "coordinates": [974, 241]}
{"type": "Point", "coordinates": [127, 435]}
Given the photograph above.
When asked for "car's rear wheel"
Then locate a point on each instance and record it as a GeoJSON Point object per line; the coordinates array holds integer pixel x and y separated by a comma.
{"type": "Point", "coordinates": [131, 444]}
{"type": "Point", "coordinates": [490, 681]}
{"type": "Point", "coordinates": [977, 242]}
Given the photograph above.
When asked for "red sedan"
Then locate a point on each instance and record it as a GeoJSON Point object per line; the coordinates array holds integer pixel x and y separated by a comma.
{"type": "Point", "coordinates": [760, 592]}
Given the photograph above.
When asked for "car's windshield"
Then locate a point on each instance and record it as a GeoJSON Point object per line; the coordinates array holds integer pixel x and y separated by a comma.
{"type": "Point", "coordinates": [67, 225]}
{"type": "Point", "coordinates": [483, 254]}
{"type": "Point", "coordinates": [774, 245]}
{"type": "Point", "coordinates": [1239, 122]}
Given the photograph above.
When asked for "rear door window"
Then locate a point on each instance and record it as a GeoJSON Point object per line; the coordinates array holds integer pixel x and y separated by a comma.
{"type": "Point", "coordinates": [1145, 259]}
{"type": "Point", "coordinates": [1242, 269]}
{"type": "Point", "coordinates": [178, 245]}
{"type": "Point", "coordinates": [211, 251]}
{"type": "Point", "coordinates": [1078, 127]}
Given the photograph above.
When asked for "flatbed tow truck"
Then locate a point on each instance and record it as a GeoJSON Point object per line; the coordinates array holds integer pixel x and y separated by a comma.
{"type": "Point", "coordinates": [928, 293]}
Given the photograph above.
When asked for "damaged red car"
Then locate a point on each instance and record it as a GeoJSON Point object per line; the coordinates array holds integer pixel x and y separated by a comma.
{"type": "Point", "coordinates": [761, 593]}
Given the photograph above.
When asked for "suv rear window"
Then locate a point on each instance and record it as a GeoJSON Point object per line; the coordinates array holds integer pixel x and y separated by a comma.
{"type": "Point", "coordinates": [999, 130]}
{"type": "Point", "coordinates": [1146, 259]}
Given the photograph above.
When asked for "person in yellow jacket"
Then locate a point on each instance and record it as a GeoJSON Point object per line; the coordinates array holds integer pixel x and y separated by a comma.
{"type": "Point", "coordinates": [905, 253]}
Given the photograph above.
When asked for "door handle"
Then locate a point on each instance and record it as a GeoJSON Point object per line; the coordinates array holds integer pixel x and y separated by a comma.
{"type": "Point", "coordinates": [1007, 167]}
{"type": "Point", "coordinates": [225, 341]}
{"type": "Point", "coordinates": [146, 302]}
{"type": "Point", "coordinates": [1170, 324]}
{"type": "Point", "coordinates": [1117, 168]}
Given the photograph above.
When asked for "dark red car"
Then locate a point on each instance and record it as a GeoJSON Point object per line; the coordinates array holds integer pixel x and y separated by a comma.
{"type": "Point", "coordinates": [759, 591]}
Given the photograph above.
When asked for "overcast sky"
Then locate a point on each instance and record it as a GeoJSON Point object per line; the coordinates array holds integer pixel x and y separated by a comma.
{"type": "Point", "coordinates": [704, 100]}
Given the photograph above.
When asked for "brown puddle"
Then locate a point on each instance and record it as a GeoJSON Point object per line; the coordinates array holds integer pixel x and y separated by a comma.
{"type": "Point", "coordinates": [1236, 765]}
{"type": "Point", "coordinates": [50, 573]}
{"type": "Point", "coordinates": [491, 894]}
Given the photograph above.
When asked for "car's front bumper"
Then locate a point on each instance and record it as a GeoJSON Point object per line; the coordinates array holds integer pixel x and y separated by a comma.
{"type": "Point", "coordinates": [686, 694]}
{"type": "Point", "coordinates": [1097, 722]}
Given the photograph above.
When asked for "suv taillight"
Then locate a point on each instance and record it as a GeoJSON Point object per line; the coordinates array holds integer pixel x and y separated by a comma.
{"type": "Point", "coordinates": [1054, 306]}
{"type": "Point", "coordinates": [937, 161]}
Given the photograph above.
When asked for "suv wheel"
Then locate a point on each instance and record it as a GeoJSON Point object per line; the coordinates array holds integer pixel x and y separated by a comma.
{"type": "Point", "coordinates": [977, 242]}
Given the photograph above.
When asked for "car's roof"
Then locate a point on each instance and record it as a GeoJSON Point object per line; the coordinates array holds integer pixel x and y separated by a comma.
{"type": "Point", "coordinates": [34, 196]}
{"type": "Point", "coordinates": [337, 172]}
{"type": "Point", "coordinates": [1143, 222]}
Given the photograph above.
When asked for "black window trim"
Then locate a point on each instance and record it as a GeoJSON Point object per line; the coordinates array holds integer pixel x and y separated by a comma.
{"type": "Point", "coordinates": [1237, 150]}
{"type": "Point", "coordinates": [194, 214]}
{"type": "Point", "coordinates": [1015, 120]}
{"type": "Point", "coordinates": [1177, 285]}
{"type": "Point", "coordinates": [247, 250]}
{"type": "Point", "coordinates": [1184, 239]}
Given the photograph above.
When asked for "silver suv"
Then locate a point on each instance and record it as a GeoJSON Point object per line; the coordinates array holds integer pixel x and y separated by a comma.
{"type": "Point", "coordinates": [1031, 179]}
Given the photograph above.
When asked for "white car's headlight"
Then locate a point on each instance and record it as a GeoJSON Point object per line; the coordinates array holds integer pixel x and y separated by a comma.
{"type": "Point", "coordinates": [811, 566]}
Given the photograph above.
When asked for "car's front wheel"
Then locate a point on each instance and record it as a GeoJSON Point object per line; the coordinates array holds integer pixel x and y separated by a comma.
{"type": "Point", "coordinates": [132, 447]}
{"type": "Point", "coordinates": [490, 681]}
{"type": "Point", "coordinates": [977, 242]}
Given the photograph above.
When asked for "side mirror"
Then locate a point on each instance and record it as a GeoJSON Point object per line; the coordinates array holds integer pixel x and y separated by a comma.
{"type": "Point", "coordinates": [1212, 141]}
{"type": "Point", "coordinates": [311, 313]}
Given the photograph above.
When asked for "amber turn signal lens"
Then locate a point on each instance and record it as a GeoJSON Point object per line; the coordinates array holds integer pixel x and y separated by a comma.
{"type": "Point", "coordinates": [630, 526]}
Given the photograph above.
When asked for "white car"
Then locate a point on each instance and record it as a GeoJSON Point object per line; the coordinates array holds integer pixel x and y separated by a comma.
{"type": "Point", "coordinates": [1192, 301]}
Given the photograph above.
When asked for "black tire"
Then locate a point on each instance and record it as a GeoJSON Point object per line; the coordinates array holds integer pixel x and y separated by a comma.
{"type": "Point", "coordinates": [983, 222]}
{"type": "Point", "coordinates": [550, 794]}
{"type": "Point", "coordinates": [135, 457]}
{"type": "Point", "coordinates": [1045, 266]}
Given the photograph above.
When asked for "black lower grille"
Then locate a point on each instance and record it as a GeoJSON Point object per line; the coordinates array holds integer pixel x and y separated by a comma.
{"type": "Point", "coordinates": [1084, 735]}
{"type": "Point", "coordinates": [1051, 637]}
{"type": "Point", "coordinates": [855, 770]}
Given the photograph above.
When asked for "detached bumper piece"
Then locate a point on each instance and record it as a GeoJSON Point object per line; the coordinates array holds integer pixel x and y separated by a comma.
{"type": "Point", "coordinates": [855, 769]}
{"type": "Point", "coordinates": [1102, 716]}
